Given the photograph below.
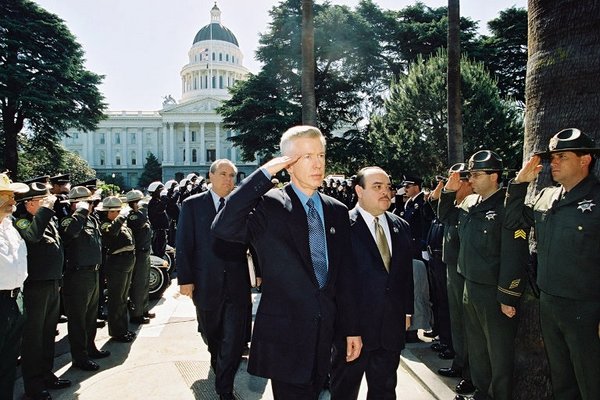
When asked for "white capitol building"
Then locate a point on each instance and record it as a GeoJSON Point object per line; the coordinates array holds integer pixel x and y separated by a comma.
{"type": "Point", "coordinates": [185, 136]}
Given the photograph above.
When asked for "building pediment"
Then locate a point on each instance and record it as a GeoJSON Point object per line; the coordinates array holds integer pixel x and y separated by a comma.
{"type": "Point", "coordinates": [205, 105]}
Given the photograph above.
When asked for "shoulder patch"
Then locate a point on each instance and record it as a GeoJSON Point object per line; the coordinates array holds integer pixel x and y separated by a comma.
{"type": "Point", "coordinates": [23, 223]}
{"type": "Point", "coordinates": [105, 225]}
{"type": "Point", "coordinates": [65, 222]}
{"type": "Point", "coordinates": [133, 217]}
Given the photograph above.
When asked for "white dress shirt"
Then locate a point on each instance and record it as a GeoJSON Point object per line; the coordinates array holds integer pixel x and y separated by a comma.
{"type": "Point", "coordinates": [13, 256]}
{"type": "Point", "coordinates": [370, 221]}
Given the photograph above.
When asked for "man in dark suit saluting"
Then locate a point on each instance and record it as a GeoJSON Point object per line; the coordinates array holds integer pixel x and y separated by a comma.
{"type": "Point", "coordinates": [215, 274]}
{"type": "Point", "coordinates": [381, 244]}
{"type": "Point", "coordinates": [300, 237]}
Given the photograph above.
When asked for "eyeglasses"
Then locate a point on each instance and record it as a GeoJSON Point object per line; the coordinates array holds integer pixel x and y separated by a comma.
{"type": "Point", "coordinates": [477, 174]}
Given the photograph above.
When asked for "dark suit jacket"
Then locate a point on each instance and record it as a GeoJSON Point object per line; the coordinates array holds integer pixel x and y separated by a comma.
{"type": "Point", "coordinates": [295, 321]}
{"type": "Point", "coordinates": [385, 298]}
{"type": "Point", "coordinates": [206, 261]}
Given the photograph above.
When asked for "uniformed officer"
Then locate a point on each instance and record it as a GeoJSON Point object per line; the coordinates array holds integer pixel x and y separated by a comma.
{"type": "Point", "coordinates": [159, 220]}
{"type": "Point", "coordinates": [493, 284]}
{"type": "Point", "coordinates": [13, 271]}
{"type": "Point", "coordinates": [61, 185]}
{"type": "Point", "coordinates": [38, 226]}
{"type": "Point", "coordinates": [119, 246]}
{"type": "Point", "coordinates": [455, 283]}
{"type": "Point", "coordinates": [83, 253]}
{"type": "Point", "coordinates": [567, 231]}
{"type": "Point", "coordinates": [137, 221]}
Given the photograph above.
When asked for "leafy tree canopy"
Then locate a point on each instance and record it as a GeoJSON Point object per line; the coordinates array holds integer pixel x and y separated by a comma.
{"type": "Point", "coordinates": [410, 137]}
{"type": "Point", "coordinates": [44, 85]}
{"type": "Point", "coordinates": [36, 161]}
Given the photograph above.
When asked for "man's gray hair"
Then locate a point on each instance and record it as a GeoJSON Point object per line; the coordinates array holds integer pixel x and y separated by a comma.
{"type": "Point", "coordinates": [299, 131]}
{"type": "Point", "coordinates": [217, 163]}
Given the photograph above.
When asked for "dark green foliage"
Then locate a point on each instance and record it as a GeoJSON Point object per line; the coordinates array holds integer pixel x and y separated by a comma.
{"type": "Point", "coordinates": [152, 172]}
{"type": "Point", "coordinates": [44, 86]}
{"type": "Point", "coordinates": [51, 160]}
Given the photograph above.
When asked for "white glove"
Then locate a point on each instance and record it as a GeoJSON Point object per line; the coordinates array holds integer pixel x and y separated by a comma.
{"type": "Point", "coordinates": [48, 201]}
{"type": "Point", "coordinates": [83, 205]}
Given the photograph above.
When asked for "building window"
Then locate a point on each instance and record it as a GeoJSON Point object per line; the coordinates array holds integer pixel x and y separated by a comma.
{"type": "Point", "coordinates": [133, 138]}
{"type": "Point", "coordinates": [118, 160]}
{"type": "Point", "coordinates": [211, 155]}
{"type": "Point", "coordinates": [193, 136]}
{"type": "Point", "coordinates": [194, 155]}
{"type": "Point", "coordinates": [102, 138]}
{"type": "Point", "coordinates": [220, 56]}
{"type": "Point", "coordinates": [117, 138]}
{"type": "Point", "coordinates": [233, 59]}
{"type": "Point", "coordinates": [214, 82]}
{"type": "Point", "coordinates": [226, 57]}
{"type": "Point", "coordinates": [183, 155]}
{"type": "Point", "coordinates": [101, 158]}
{"type": "Point", "coordinates": [221, 82]}
{"type": "Point", "coordinates": [214, 56]}
{"type": "Point", "coordinates": [133, 158]}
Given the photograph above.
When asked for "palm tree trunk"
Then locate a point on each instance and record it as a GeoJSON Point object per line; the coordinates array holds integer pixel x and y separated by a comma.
{"type": "Point", "coordinates": [455, 140]}
{"type": "Point", "coordinates": [309, 107]}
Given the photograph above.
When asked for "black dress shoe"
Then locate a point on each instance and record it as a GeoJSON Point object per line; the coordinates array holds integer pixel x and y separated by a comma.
{"type": "Point", "coordinates": [430, 334]}
{"type": "Point", "coordinates": [450, 372]}
{"type": "Point", "coordinates": [43, 395]}
{"type": "Point", "coordinates": [139, 320]}
{"type": "Point", "coordinates": [100, 324]}
{"type": "Point", "coordinates": [437, 346]}
{"type": "Point", "coordinates": [98, 354]}
{"type": "Point", "coordinates": [465, 386]}
{"type": "Point", "coordinates": [62, 319]}
{"type": "Point", "coordinates": [446, 354]}
{"type": "Point", "coordinates": [58, 384]}
{"type": "Point", "coordinates": [87, 365]}
{"type": "Point", "coordinates": [226, 396]}
{"type": "Point", "coordinates": [126, 338]}
{"type": "Point", "coordinates": [149, 315]}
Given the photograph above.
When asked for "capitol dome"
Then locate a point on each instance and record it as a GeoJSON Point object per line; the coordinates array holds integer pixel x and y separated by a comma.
{"type": "Point", "coordinates": [215, 30]}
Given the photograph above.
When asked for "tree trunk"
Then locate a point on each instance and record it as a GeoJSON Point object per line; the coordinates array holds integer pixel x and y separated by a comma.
{"type": "Point", "coordinates": [562, 90]}
{"type": "Point", "coordinates": [455, 139]}
{"type": "Point", "coordinates": [309, 107]}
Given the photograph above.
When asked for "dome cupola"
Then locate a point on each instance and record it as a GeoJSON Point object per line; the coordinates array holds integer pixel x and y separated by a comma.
{"type": "Point", "coordinates": [215, 30]}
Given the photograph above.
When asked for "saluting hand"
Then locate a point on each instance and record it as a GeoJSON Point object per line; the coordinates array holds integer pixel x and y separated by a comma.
{"type": "Point", "coordinates": [453, 183]}
{"type": "Point", "coordinates": [529, 171]}
{"type": "Point", "coordinates": [279, 163]}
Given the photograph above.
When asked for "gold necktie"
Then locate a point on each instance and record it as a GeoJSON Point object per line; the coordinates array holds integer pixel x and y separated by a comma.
{"type": "Point", "coordinates": [382, 245]}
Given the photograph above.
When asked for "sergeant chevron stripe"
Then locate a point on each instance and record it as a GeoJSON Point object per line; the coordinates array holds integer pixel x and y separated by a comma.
{"type": "Point", "coordinates": [520, 234]}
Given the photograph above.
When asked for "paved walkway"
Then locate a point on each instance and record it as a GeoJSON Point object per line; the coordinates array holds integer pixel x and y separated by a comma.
{"type": "Point", "coordinates": [168, 360]}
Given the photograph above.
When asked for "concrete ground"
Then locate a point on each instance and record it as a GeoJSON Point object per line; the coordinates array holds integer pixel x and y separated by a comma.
{"type": "Point", "coordinates": [169, 360]}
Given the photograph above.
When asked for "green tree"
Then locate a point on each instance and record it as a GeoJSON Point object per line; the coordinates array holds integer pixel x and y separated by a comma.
{"type": "Point", "coordinates": [504, 53]}
{"type": "Point", "coordinates": [410, 137]}
{"type": "Point", "coordinates": [52, 160]}
{"type": "Point", "coordinates": [152, 171]}
{"type": "Point", "coordinates": [44, 87]}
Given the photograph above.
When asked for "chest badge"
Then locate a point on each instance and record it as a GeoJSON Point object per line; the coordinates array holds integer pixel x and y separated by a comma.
{"type": "Point", "coordinates": [490, 215]}
{"type": "Point", "coordinates": [332, 230]}
{"type": "Point", "coordinates": [585, 205]}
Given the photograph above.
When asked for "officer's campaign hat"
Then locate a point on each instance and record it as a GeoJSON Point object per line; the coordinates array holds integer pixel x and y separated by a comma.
{"type": "Point", "coordinates": [6, 185]}
{"type": "Point", "coordinates": [485, 160]}
{"type": "Point", "coordinates": [36, 189]}
{"type": "Point", "coordinates": [411, 180]}
{"type": "Point", "coordinates": [134, 195]}
{"type": "Point", "coordinates": [571, 139]}
{"type": "Point", "coordinates": [79, 193]}
{"type": "Point", "coordinates": [461, 168]}
{"type": "Point", "coordinates": [41, 179]}
{"type": "Point", "coordinates": [110, 203]}
{"type": "Point", "coordinates": [60, 179]}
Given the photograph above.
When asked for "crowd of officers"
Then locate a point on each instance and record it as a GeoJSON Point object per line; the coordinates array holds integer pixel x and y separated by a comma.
{"type": "Point", "coordinates": [470, 246]}
{"type": "Point", "coordinates": [59, 247]}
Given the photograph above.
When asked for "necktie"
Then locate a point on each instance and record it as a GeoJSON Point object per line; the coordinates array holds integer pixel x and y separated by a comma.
{"type": "Point", "coordinates": [382, 244]}
{"type": "Point", "coordinates": [221, 204]}
{"type": "Point", "coordinates": [316, 241]}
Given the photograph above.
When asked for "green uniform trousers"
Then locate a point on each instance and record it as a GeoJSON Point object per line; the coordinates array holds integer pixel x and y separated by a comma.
{"type": "Point", "coordinates": [570, 331]}
{"type": "Point", "coordinates": [118, 269]}
{"type": "Point", "coordinates": [12, 316]}
{"type": "Point", "coordinates": [490, 339]}
{"type": "Point", "coordinates": [80, 294]}
{"type": "Point", "coordinates": [455, 283]}
{"type": "Point", "coordinates": [140, 281]}
{"type": "Point", "coordinates": [41, 300]}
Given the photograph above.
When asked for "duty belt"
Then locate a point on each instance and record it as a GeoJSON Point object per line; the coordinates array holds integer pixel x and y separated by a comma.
{"type": "Point", "coordinates": [10, 293]}
{"type": "Point", "coordinates": [94, 267]}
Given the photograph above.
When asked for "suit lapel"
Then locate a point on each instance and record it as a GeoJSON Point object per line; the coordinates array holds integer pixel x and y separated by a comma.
{"type": "Point", "coordinates": [330, 233]}
{"type": "Point", "coordinates": [298, 227]}
{"type": "Point", "coordinates": [209, 205]}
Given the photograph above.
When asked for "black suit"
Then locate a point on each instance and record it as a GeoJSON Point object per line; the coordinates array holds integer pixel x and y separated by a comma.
{"type": "Point", "coordinates": [385, 300]}
{"type": "Point", "coordinates": [295, 321]}
{"type": "Point", "coordinates": [219, 272]}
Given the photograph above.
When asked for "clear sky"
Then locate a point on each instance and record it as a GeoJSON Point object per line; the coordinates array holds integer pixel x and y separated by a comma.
{"type": "Point", "coordinates": [141, 45]}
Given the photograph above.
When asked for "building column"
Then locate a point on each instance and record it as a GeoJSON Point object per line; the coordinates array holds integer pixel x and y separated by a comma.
{"type": "Point", "coordinates": [164, 143]}
{"type": "Point", "coordinates": [172, 143]}
{"type": "Point", "coordinates": [125, 157]}
{"type": "Point", "coordinates": [202, 144]}
{"type": "Point", "coordinates": [188, 155]}
{"type": "Point", "coordinates": [156, 145]}
{"type": "Point", "coordinates": [217, 141]}
{"type": "Point", "coordinates": [109, 151]}
{"type": "Point", "coordinates": [140, 157]}
{"type": "Point", "coordinates": [91, 156]}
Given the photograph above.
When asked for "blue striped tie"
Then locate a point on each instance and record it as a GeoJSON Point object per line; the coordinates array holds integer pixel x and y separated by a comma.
{"type": "Point", "coordinates": [316, 241]}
